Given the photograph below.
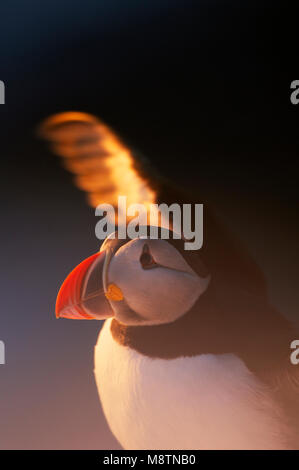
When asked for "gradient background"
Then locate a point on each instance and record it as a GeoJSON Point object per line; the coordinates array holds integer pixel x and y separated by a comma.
{"type": "Point", "coordinates": [202, 89]}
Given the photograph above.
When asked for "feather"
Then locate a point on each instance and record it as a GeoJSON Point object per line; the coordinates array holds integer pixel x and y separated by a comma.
{"type": "Point", "coordinates": [101, 163]}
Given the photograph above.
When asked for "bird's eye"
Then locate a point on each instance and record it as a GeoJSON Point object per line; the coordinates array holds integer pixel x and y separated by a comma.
{"type": "Point", "coordinates": [146, 259]}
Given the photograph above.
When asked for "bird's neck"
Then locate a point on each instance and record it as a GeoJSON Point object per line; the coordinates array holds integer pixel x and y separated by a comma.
{"type": "Point", "coordinates": [242, 325]}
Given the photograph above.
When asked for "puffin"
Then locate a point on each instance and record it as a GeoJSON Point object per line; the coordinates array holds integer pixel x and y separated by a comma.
{"type": "Point", "coordinates": [192, 354]}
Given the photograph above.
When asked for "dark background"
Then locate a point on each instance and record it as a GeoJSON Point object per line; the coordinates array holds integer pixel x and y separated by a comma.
{"type": "Point", "coordinates": [203, 89]}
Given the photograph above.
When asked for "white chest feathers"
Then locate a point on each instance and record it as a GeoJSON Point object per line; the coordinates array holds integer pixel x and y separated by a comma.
{"type": "Point", "coordinates": [201, 402]}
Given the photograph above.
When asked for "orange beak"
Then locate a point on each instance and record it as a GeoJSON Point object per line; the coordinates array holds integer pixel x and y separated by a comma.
{"type": "Point", "coordinates": [81, 296]}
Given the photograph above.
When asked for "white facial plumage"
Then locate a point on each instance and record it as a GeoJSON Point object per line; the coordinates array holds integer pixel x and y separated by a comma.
{"type": "Point", "coordinates": [158, 293]}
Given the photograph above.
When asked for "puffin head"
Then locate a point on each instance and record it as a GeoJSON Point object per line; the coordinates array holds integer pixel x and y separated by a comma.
{"type": "Point", "coordinates": [143, 281]}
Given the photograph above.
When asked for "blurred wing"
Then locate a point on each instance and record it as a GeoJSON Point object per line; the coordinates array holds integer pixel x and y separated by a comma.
{"type": "Point", "coordinates": [105, 168]}
{"type": "Point", "coordinates": [102, 164]}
